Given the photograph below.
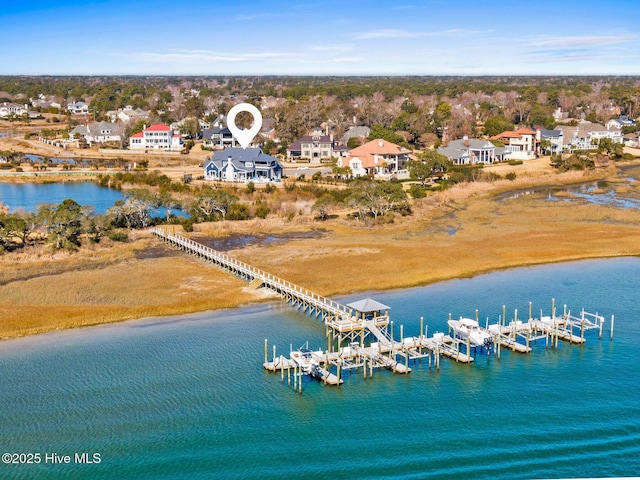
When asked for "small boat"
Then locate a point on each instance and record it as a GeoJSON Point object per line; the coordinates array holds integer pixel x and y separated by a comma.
{"type": "Point", "coordinates": [303, 357]}
{"type": "Point", "coordinates": [468, 328]}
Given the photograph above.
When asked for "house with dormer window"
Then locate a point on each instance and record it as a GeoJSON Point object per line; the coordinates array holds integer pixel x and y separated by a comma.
{"type": "Point", "coordinates": [99, 132]}
{"type": "Point", "coordinates": [157, 137]}
{"type": "Point", "coordinates": [587, 135]}
{"type": "Point", "coordinates": [316, 148]}
{"type": "Point", "coordinates": [78, 108]}
{"type": "Point", "coordinates": [242, 165]}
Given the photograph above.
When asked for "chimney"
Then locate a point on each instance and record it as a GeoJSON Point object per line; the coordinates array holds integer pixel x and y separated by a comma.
{"type": "Point", "coordinates": [466, 141]}
{"type": "Point", "coordinates": [381, 143]}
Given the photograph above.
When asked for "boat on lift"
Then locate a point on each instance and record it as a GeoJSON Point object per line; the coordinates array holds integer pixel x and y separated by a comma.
{"type": "Point", "coordinates": [466, 328]}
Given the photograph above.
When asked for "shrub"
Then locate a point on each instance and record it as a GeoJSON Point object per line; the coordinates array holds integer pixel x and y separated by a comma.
{"type": "Point", "coordinates": [510, 176]}
{"type": "Point", "coordinates": [269, 188]}
{"type": "Point", "coordinates": [262, 210]}
{"type": "Point", "coordinates": [416, 191]}
{"type": "Point", "coordinates": [515, 162]}
{"type": "Point", "coordinates": [251, 187]}
{"type": "Point", "coordinates": [119, 236]}
{"type": "Point", "coordinates": [187, 223]}
{"type": "Point", "coordinates": [238, 211]}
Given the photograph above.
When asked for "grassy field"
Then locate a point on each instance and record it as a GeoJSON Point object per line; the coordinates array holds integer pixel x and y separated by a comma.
{"type": "Point", "coordinates": [457, 233]}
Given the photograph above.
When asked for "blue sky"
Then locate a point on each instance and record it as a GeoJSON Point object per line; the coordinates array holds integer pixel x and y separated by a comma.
{"type": "Point", "coordinates": [349, 37]}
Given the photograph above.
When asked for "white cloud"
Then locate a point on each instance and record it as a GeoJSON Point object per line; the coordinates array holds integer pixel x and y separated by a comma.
{"type": "Point", "coordinates": [347, 59]}
{"type": "Point", "coordinates": [400, 33]}
{"type": "Point", "coordinates": [580, 41]}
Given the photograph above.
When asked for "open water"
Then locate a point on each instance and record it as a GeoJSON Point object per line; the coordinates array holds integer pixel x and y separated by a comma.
{"type": "Point", "coordinates": [186, 397]}
{"type": "Point", "coordinates": [28, 196]}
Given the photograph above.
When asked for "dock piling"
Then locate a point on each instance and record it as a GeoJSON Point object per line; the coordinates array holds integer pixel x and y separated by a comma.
{"type": "Point", "coordinates": [266, 351]}
{"type": "Point", "coordinates": [611, 331]}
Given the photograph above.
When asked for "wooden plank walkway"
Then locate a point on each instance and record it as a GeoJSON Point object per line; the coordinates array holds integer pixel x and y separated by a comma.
{"type": "Point", "coordinates": [300, 297]}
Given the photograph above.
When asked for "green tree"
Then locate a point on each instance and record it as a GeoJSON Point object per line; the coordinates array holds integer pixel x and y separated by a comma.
{"type": "Point", "coordinates": [497, 124]}
{"type": "Point", "coordinates": [380, 132]}
{"type": "Point", "coordinates": [324, 205]}
{"type": "Point", "coordinates": [613, 149]}
{"type": "Point", "coordinates": [372, 198]}
{"type": "Point", "coordinates": [63, 223]}
{"type": "Point", "coordinates": [210, 201]}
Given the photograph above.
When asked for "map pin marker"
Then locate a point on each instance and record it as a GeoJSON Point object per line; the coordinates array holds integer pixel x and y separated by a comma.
{"type": "Point", "coordinates": [244, 137]}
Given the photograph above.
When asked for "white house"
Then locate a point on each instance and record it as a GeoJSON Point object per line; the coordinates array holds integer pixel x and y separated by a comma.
{"type": "Point", "coordinates": [554, 137]}
{"type": "Point", "coordinates": [587, 135]}
{"type": "Point", "coordinates": [242, 165]}
{"type": "Point", "coordinates": [316, 147]}
{"type": "Point", "coordinates": [78, 108]}
{"type": "Point", "coordinates": [156, 137]}
{"type": "Point", "coordinates": [9, 108]}
{"type": "Point", "coordinates": [618, 123]}
{"type": "Point", "coordinates": [471, 151]}
{"type": "Point", "coordinates": [522, 143]}
{"type": "Point", "coordinates": [100, 132]}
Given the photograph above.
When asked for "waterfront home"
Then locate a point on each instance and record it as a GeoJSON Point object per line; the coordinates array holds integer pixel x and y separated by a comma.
{"type": "Point", "coordinates": [379, 159]}
{"type": "Point", "coordinates": [471, 151]}
{"type": "Point", "coordinates": [242, 165]}
{"type": "Point", "coordinates": [521, 143]}
{"type": "Point", "coordinates": [98, 132]}
{"type": "Point", "coordinates": [555, 139]}
{"type": "Point", "coordinates": [587, 135]}
{"type": "Point", "coordinates": [156, 137]}
{"type": "Point", "coordinates": [8, 109]}
{"type": "Point", "coordinates": [316, 147]}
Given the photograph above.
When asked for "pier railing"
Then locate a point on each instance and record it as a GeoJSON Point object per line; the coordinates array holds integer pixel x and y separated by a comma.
{"type": "Point", "coordinates": [283, 287]}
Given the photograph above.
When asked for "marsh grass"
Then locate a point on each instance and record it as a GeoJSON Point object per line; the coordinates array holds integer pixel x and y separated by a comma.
{"type": "Point", "coordinates": [455, 233]}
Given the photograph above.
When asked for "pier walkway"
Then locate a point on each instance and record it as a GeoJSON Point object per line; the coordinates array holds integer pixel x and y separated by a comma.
{"type": "Point", "coordinates": [360, 334]}
{"type": "Point", "coordinates": [311, 303]}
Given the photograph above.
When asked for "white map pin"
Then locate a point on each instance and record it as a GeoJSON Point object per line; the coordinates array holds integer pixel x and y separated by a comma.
{"type": "Point", "coordinates": [244, 137]}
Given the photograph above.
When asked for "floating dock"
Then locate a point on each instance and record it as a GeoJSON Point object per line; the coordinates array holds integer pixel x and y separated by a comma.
{"type": "Point", "coordinates": [360, 335]}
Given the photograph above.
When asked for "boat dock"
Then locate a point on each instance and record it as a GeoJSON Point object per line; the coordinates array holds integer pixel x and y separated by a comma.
{"type": "Point", "coordinates": [360, 335]}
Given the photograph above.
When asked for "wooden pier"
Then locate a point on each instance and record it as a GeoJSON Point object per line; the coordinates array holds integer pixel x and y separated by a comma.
{"type": "Point", "coordinates": [360, 335]}
{"type": "Point", "coordinates": [299, 297]}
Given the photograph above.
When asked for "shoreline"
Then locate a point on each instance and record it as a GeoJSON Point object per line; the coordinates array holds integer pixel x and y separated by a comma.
{"type": "Point", "coordinates": [455, 234]}
{"type": "Point", "coordinates": [276, 300]}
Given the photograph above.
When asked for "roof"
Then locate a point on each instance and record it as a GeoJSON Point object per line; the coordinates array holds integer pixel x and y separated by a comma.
{"type": "Point", "coordinates": [358, 131]}
{"type": "Point", "coordinates": [375, 149]}
{"type": "Point", "coordinates": [368, 305]}
{"type": "Point", "coordinates": [158, 127]}
{"type": "Point", "coordinates": [379, 147]}
{"type": "Point", "coordinates": [239, 156]}
{"type": "Point", "coordinates": [460, 148]}
{"type": "Point", "coordinates": [514, 133]}
{"type": "Point", "coordinates": [550, 133]}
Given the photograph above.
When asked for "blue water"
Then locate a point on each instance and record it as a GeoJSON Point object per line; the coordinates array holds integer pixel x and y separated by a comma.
{"type": "Point", "coordinates": [186, 397]}
{"type": "Point", "coordinates": [27, 196]}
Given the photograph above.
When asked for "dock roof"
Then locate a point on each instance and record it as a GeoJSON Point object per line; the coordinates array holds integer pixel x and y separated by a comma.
{"type": "Point", "coordinates": [368, 305]}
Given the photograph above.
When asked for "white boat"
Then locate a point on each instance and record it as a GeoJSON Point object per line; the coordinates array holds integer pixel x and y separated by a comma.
{"type": "Point", "coordinates": [303, 357]}
{"type": "Point", "coordinates": [468, 328]}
